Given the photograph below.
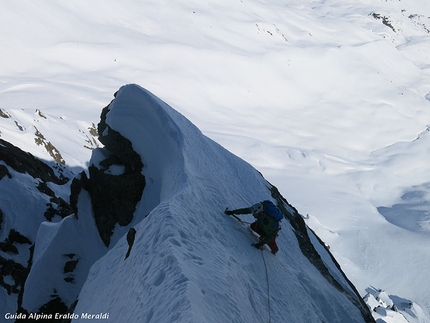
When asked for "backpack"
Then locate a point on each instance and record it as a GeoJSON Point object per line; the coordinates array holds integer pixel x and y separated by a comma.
{"type": "Point", "coordinates": [273, 211]}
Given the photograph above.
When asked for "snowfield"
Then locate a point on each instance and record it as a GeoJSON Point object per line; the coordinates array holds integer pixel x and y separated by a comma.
{"type": "Point", "coordinates": [328, 100]}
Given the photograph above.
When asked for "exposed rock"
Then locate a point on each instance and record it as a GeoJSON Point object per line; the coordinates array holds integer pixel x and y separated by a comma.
{"type": "Point", "coordinates": [16, 237]}
{"type": "Point", "coordinates": [309, 251]}
{"type": "Point", "coordinates": [4, 171]}
{"type": "Point", "coordinates": [70, 311]}
{"type": "Point", "coordinates": [58, 206]}
{"type": "Point", "coordinates": [55, 305]}
{"type": "Point", "coordinates": [385, 20]}
{"type": "Point", "coordinates": [92, 142]}
{"type": "Point", "coordinates": [79, 182]}
{"type": "Point", "coordinates": [13, 273]}
{"type": "Point", "coordinates": [8, 248]}
{"type": "Point", "coordinates": [93, 130]}
{"type": "Point", "coordinates": [40, 114]}
{"type": "Point", "coordinates": [130, 240]}
{"type": "Point", "coordinates": [43, 187]}
{"type": "Point", "coordinates": [118, 145]}
{"type": "Point", "coordinates": [4, 114]}
{"type": "Point", "coordinates": [20, 127]}
{"type": "Point", "coordinates": [69, 268]}
{"type": "Point", "coordinates": [16, 271]}
{"type": "Point", "coordinates": [50, 148]}
{"type": "Point", "coordinates": [24, 162]}
{"type": "Point", "coordinates": [22, 283]}
{"type": "Point", "coordinates": [114, 197]}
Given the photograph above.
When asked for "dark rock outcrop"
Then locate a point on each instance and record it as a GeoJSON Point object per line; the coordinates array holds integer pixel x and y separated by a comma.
{"type": "Point", "coordinates": [44, 188]}
{"type": "Point", "coordinates": [57, 206]}
{"type": "Point", "coordinates": [70, 266]}
{"type": "Point", "coordinates": [130, 240]}
{"type": "Point", "coordinates": [15, 270]}
{"type": "Point", "coordinates": [113, 197]}
{"type": "Point", "coordinates": [9, 267]}
{"type": "Point", "coordinates": [23, 162]}
{"type": "Point", "coordinates": [121, 148]}
{"type": "Point", "coordinates": [1, 219]}
{"type": "Point", "coordinates": [16, 237]}
{"type": "Point", "coordinates": [40, 140]}
{"type": "Point", "coordinates": [4, 171]}
{"type": "Point", "coordinates": [54, 306]}
{"type": "Point", "coordinates": [4, 114]}
{"type": "Point", "coordinates": [309, 251]}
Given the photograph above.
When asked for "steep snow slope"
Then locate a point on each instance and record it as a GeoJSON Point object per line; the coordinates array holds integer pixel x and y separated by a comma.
{"type": "Point", "coordinates": [190, 262]}
{"type": "Point", "coordinates": [328, 99]}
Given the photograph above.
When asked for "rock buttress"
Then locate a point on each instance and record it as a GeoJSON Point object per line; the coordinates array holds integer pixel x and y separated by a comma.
{"type": "Point", "coordinates": [114, 197]}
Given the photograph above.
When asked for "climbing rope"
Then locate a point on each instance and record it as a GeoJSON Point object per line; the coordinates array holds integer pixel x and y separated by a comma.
{"type": "Point", "coordinates": [265, 266]}
{"type": "Point", "coordinates": [268, 287]}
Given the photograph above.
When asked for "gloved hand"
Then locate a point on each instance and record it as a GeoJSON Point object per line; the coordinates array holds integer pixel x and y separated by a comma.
{"type": "Point", "coordinates": [228, 212]}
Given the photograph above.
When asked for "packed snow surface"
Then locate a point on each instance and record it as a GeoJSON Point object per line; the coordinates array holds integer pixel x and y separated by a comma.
{"type": "Point", "coordinates": [190, 262]}
{"type": "Point", "coordinates": [328, 99]}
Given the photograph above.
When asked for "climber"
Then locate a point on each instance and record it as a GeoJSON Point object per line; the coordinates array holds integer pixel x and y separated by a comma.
{"type": "Point", "coordinates": [266, 225]}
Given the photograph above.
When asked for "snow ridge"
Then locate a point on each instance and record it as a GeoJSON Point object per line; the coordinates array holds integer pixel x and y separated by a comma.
{"type": "Point", "coordinates": [351, 77]}
{"type": "Point", "coordinates": [190, 262]}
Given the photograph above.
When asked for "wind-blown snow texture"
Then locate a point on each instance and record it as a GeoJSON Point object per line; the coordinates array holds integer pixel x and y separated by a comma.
{"type": "Point", "coordinates": [190, 262]}
{"type": "Point", "coordinates": [328, 99]}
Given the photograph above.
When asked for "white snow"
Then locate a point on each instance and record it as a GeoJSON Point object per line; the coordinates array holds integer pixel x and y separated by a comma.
{"type": "Point", "coordinates": [330, 104]}
{"type": "Point", "coordinates": [56, 244]}
{"type": "Point", "coordinates": [190, 262]}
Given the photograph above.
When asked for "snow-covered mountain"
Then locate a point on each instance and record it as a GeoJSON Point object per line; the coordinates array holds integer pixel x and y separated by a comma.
{"type": "Point", "coordinates": [146, 239]}
{"type": "Point", "coordinates": [329, 100]}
